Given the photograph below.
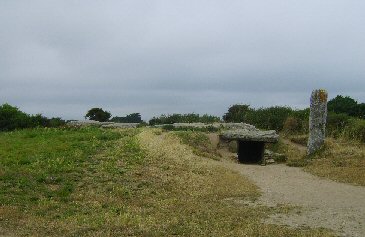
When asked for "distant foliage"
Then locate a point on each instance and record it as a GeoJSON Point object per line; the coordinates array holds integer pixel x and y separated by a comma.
{"type": "Point", "coordinates": [346, 118]}
{"type": "Point", "coordinates": [12, 118]}
{"type": "Point", "coordinates": [336, 123]}
{"type": "Point", "coordinates": [183, 118]}
{"type": "Point", "coordinates": [98, 114]}
{"type": "Point", "coordinates": [346, 105]}
{"type": "Point", "coordinates": [237, 114]}
{"type": "Point", "coordinates": [268, 118]}
{"type": "Point", "coordinates": [130, 118]}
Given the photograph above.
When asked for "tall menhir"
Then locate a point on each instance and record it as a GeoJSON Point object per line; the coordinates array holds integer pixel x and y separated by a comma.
{"type": "Point", "coordinates": [317, 120]}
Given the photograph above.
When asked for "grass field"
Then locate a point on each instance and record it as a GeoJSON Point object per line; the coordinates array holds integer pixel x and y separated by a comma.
{"type": "Point", "coordinates": [132, 182]}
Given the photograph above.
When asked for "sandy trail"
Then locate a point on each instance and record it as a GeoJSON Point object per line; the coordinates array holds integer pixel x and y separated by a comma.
{"type": "Point", "coordinates": [325, 203]}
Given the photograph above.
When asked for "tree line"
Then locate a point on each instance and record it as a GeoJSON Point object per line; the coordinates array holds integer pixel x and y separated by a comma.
{"type": "Point", "coordinates": [345, 115]}
{"type": "Point", "coordinates": [98, 114]}
{"type": "Point", "coordinates": [12, 118]}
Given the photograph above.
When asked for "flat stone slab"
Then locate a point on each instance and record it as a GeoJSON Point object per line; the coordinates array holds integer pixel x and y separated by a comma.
{"type": "Point", "coordinates": [81, 123]}
{"type": "Point", "coordinates": [206, 125]}
{"type": "Point", "coordinates": [254, 135]}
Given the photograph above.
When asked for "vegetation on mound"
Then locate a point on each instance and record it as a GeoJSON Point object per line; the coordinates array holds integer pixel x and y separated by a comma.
{"type": "Point", "coordinates": [340, 160]}
{"type": "Point", "coordinates": [299, 139]}
{"type": "Point", "coordinates": [123, 183]}
{"type": "Point", "coordinates": [200, 143]}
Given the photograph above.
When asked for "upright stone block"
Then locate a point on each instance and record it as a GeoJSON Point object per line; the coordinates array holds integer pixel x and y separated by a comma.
{"type": "Point", "coordinates": [317, 120]}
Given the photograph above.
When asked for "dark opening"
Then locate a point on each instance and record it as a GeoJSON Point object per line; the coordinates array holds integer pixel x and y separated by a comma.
{"type": "Point", "coordinates": [250, 152]}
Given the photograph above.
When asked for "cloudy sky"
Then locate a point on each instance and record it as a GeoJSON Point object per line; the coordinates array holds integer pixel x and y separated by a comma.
{"type": "Point", "coordinates": [61, 58]}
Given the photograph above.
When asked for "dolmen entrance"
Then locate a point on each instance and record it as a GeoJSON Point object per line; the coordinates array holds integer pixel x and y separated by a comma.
{"type": "Point", "coordinates": [251, 143]}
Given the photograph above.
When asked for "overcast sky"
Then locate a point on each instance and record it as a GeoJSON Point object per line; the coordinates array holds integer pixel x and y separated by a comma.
{"type": "Point", "coordinates": [61, 58]}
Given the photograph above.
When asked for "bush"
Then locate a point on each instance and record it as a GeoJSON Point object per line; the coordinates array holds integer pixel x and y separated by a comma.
{"type": "Point", "coordinates": [271, 118]}
{"type": "Point", "coordinates": [12, 118]}
{"type": "Point", "coordinates": [336, 123]}
{"type": "Point", "coordinates": [355, 130]}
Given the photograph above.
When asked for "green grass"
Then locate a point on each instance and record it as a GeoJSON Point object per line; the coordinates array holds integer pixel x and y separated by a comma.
{"type": "Point", "coordinates": [128, 182]}
{"type": "Point", "coordinates": [199, 142]}
{"type": "Point", "coordinates": [340, 160]}
{"type": "Point", "coordinates": [45, 163]}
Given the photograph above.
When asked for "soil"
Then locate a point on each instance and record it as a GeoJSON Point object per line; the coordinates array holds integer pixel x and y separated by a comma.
{"type": "Point", "coordinates": [321, 203]}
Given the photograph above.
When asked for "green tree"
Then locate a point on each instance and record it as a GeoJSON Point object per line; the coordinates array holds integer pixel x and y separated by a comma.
{"type": "Point", "coordinates": [361, 110]}
{"type": "Point", "coordinates": [343, 104]}
{"type": "Point", "coordinates": [236, 113]}
{"type": "Point", "coordinates": [130, 118]}
{"type": "Point", "coordinates": [98, 114]}
{"type": "Point", "coordinates": [12, 118]}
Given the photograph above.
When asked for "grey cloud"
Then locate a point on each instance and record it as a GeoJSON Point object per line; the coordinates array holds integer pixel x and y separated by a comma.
{"type": "Point", "coordinates": [62, 57]}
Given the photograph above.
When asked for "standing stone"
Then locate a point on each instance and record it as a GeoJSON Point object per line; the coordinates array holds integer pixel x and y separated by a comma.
{"type": "Point", "coordinates": [317, 120]}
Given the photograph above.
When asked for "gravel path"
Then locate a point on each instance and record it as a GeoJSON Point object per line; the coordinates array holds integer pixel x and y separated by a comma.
{"type": "Point", "coordinates": [325, 203]}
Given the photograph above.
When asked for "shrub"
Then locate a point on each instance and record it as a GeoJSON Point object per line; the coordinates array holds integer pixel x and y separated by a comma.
{"type": "Point", "coordinates": [12, 118]}
{"type": "Point", "coordinates": [355, 130]}
{"type": "Point", "coordinates": [336, 123]}
{"type": "Point", "coordinates": [271, 118]}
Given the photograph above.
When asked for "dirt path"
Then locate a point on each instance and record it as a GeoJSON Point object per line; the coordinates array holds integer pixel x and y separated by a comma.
{"type": "Point", "coordinates": [325, 203]}
{"type": "Point", "coordinates": [322, 203]}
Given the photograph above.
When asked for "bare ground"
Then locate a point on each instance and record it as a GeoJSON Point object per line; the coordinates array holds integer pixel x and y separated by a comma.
{"type": "Point", "coordinates": [321, 202]}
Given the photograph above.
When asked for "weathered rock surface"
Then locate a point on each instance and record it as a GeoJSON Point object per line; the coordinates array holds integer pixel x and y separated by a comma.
{"type": "Point", "coordinates": [81, 123]}
{"type": "Point", "coordinates": [317, 120]}
{"type": "Point", "coordinates": [120, 125]}
{"type": "Point", "coordinates": [215, 125]}
{"type": "Point", "coordinates": [251, 135]}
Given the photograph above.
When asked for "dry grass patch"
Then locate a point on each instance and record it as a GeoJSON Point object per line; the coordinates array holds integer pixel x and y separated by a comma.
{"type": "Point", "coordinates": [340, 160]}
{"type": "Point", "coordinates": [195, 190]}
